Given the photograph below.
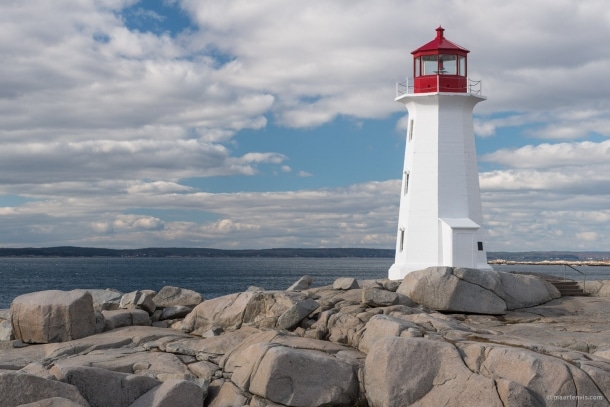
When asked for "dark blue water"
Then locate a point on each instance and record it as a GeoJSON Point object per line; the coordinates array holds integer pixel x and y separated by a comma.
{"type": "Point", "coordinates": [211, 277]}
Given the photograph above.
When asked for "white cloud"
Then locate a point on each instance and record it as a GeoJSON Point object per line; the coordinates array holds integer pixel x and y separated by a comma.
{"type": "Point", "coordinates": [587, 236]}
{"type": "Point", "coordinates": [346, 216]}
{"type": "Point", "coordinates": [98, 121]}
{"type": "Point", "coordinates": [585, 153]}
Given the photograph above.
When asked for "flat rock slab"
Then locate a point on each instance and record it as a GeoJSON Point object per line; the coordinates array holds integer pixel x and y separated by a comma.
{"type": "Point", "coordinates": [102, 387]}
{"type": "Point", "coordinates": [172, 393]}
{"type": "Point", "coordinates": [218, 345]}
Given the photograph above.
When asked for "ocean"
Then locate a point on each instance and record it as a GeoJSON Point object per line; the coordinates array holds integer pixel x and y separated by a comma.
{"type": "Point", "coordinates": [212, 277]}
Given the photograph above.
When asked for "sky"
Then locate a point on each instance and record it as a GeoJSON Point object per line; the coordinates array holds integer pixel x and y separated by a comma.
{"type": "Point", "coordinates": [242, 124]}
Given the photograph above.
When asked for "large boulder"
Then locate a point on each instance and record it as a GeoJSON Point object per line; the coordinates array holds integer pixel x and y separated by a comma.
{"type": "Point", "coordinates": [140, 299]}
{"type": "Point", "coordinates": [259, 309]}
{"type": "Point", "coordinates": [170, 296]}
{"type": "Point", "coordinates": [521, 291]}
{"type": "Point", "coordinates": [423, 372]}
{"type": "Point", "coordinates": [475, 291]}
{"type": "Point", "coordinates": [19, 388]}
{"type": "Point", "coordinates": [53, 316]}
{"type": "Point", "coordinates": [296, 377]}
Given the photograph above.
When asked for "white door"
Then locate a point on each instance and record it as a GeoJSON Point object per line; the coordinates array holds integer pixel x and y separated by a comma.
{"type": "Point", "coordinates": [463, 250]}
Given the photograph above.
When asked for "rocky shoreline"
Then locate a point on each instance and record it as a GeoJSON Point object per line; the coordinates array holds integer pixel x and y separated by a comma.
{"type": "Point", "coordinates": [442, 336]}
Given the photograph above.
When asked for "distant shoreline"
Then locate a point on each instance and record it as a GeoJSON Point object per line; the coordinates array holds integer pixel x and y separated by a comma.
{"type": "Point", "coordinates": [552, 262]}
{"type": "Point", "coordinates": [160, 252]}
{"type": "Point", "coordinates": [584, 258]}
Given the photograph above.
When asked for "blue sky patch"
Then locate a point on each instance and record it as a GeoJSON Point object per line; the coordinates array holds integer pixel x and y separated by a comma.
{"type": "Point", "coordinates": [158, 17]}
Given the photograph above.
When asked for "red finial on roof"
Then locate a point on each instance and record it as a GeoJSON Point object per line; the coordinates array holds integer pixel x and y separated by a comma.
{"type": "Point", "coordinates": [439, 33]}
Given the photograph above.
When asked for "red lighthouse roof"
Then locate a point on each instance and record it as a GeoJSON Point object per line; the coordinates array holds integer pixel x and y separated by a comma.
{"type": "Point", "coordinates": [440, 43]}
{"type": "Point", "coordinates": [440, 66]}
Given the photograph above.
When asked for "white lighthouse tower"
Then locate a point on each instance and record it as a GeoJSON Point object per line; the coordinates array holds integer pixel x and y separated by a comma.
{"type": "Point", "coordinates": [439, 222]}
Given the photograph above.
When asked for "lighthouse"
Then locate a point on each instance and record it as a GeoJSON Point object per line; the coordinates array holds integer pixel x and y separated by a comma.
{"type": "Point", "coordinates": [440, 219]}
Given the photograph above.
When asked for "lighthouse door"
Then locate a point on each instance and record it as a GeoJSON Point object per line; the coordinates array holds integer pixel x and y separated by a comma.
{"type": "Point", "coordinates": [463, 252]}
{"type": "Point", "coordinates": [458, 241]}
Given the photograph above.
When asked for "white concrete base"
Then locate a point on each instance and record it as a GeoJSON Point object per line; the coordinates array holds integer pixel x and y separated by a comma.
{"type": "Point", "coordinates": [399, 271]}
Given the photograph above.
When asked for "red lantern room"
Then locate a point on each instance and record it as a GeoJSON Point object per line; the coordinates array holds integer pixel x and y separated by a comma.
{"type": "Point", "coordinates": [440, 66]}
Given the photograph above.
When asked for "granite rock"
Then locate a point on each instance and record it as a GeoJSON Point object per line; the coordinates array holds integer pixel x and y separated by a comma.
{"type": "Point", "coordinates": [170, 296]}
{"type": "Point", "coordinates": [52, 316]}
{"type": "Point", "coordinates": [301, 284]}
{"type": "Point", "coordinates": [320, 380]}
{"type": "Point", "coordinates": [421, 372]}
{"type": "Point", "coordinates": [141, 299]}
{"type": "Point", "coordinates": [20, 388]}
{"type": "Point", "coordinates": [345, 283]}
{"type": "Point", "coordinates": [101, 387]}
{"type": "Point", "coordinates": [475, 291]}
{"type": "Point", "coordinates": [295, 314]}
{"type": "Point", "coordinates": [172, 393]}
{"type": "Point", "coordinates": [348, 351]}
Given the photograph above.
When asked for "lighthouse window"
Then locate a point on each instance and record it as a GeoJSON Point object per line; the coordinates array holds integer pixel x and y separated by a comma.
{"type": "Point", "coordinates": [462, 65]}
{"type": "Point", "coordinates": [402, 239]}
{"type": "Point", "coordinates": [410, 129]}
{"type": "Point", "coordinates": [447, 64]}
{"type": "Point", "coordinates": [417, 67]}
{"type": "Point", "coordinates": [406, 176]}
{"type": "Point", "coordinates": [430, 64]}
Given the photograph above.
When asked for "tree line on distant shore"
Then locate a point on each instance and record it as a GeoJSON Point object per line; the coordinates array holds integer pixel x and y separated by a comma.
{"type": "Point", "coordinates": [72, 251]}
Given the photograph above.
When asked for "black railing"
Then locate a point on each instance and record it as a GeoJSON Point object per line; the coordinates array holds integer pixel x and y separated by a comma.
{"type": "Point", "coordinates": [584, 280]}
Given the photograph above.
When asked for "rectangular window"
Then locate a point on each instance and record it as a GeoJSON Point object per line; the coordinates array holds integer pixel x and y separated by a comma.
{"type": "Point", "coordinates": [410, 129]}
{"type": "Point", "coordinates": [402, 239]}
{"type": "Point", "coordinates": [480, 246]}
{"type": "Point", "coordinates": [448, 64]}
{"type": "Point", "coordinates": [406, 177]}
{"type": "Point", "coordinates": [462, 66]}
{"type": "Point", "coordinates": [417, 67]}
{"type": "Point", "coordinates": [430, 64]}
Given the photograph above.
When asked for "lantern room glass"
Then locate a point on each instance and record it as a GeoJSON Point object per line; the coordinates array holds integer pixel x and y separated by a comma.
{"type": "Point", "coordinates": [461, 65]}
{"type": "Point", "coordinates": [430, 64]}
{"type": "Point", "coordinates": [447, 64]}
